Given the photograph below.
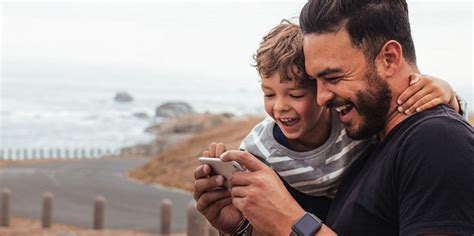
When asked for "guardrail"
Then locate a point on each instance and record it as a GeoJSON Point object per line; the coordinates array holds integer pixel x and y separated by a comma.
{"type": "Point", "coordinates": [56, 153]}
{"type": "Point", "coordinates": [197, 224]}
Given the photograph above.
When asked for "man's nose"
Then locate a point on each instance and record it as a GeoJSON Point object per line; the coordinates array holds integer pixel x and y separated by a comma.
{"type": "Point", "coordinates": [323, 94]}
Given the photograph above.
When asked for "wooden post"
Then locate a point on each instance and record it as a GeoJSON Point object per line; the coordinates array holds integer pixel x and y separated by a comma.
{"type": "Point", "coordinates": [6, 207]}
{"type": "Point", "coordinates": [47, 213]}
{"type": "Point", "coordinates": [99, 213]}
{"type": "Point", "coordinates": [197, 224]}
{"type": "Point", "coordinates": [165, 216]}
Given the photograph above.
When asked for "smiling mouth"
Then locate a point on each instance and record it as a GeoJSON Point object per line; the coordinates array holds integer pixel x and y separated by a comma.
{"type": "Point", "coordinates": [289, 121]}
{"type": "Point", "coordinates": [344, 109]}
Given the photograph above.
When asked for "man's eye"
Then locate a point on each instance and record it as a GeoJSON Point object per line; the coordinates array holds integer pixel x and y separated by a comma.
{"type": "Point", "coordinates": [297, 96]}
{"type": "Point", "coordinates": [269, 95]}
{"type": "Point", "coordinates": [333, 79]}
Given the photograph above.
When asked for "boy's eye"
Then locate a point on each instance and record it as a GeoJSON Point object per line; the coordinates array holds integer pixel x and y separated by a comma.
{"type": "Point", "coordinates": [297, 95]}
{"type": "Point", "coordinates": [269, 95]}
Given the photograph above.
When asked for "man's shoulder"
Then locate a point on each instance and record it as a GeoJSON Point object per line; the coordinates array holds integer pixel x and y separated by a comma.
{"type": "Point", "coordinates": [435, 124]}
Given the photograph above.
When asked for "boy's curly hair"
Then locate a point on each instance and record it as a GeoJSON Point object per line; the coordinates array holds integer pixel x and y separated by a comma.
{"type": "Point", "coordinates": [281, 50]}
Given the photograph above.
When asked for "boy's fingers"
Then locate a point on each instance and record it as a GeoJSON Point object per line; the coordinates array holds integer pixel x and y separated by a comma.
{"type": "Point", "coordinates": [220, 148]}
{"type": "Point", "coordinates": [206, 154]}
{"type": "Point", "coordinates": [429, 104]}
{"type": "Point", "coordinates": [212, 149]}
{"type": "Point", "coordinates": [409, 92]}
{"type": "Point", "coordinates": [246, 159]}
{"type": "Point", "coordinates": [414, 78]}
{"type": "Point", "coordinates": [408, 104]}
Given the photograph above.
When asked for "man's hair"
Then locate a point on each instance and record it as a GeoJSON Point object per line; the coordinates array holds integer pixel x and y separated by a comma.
{"type": "Point", "coordinates": [281, 51]}
{"type": "Point", "coordinates": [369, 23]}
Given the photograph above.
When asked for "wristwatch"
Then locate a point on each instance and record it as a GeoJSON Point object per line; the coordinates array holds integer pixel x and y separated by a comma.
{"type": "Point", "coordinates": [307, 225]}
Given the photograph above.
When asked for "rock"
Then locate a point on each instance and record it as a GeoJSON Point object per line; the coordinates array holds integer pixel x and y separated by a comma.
{"type": "Point", "coordinates": [123, 97]}
{"type": "Point", "coordinates": [174, 109]}
{"type": "Point", "coordinates": [141, 115]}
{"type": "Point", "coordinates": [191, 123]}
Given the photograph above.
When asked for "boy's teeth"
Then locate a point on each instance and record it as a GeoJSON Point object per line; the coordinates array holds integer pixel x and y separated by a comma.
{"type": "Point", "coordinates": [288, 121]}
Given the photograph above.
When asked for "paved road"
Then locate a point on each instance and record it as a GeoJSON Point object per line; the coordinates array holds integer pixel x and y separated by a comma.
{"type": "Point", "coordinates": [75, 184]}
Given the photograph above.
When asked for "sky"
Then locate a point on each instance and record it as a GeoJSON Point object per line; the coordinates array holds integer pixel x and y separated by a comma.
{"type": "Point", "coordinates": [211, 41]}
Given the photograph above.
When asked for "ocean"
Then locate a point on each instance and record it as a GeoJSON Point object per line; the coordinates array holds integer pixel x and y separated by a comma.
{"type": "Point", "coordinates": [63, 63]}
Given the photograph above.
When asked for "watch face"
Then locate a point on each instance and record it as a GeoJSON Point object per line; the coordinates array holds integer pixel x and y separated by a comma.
{"type": "Point", "coordinates": [307, 225]}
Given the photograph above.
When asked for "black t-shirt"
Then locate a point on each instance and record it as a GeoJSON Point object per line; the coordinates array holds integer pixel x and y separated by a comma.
{"type": "Point", "coordinates": [419, 179]}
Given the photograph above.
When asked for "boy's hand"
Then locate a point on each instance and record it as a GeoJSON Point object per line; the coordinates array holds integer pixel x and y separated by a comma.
{"type": "Point", "coordinates": [424, 92]}
{"type": "Point", "coordinates": [212, 199]}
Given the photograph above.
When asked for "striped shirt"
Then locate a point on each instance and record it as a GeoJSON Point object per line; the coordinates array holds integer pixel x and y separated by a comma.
{"type": "Point", "coordinates": [317, 172]}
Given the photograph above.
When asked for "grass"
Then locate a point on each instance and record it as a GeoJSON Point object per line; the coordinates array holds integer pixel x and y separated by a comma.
{"type": "Point", "coordinates": [175, 166]}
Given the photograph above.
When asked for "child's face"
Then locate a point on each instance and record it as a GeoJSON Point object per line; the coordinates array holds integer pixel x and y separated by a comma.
{"type": "Point", "coordinates": [293, 107]}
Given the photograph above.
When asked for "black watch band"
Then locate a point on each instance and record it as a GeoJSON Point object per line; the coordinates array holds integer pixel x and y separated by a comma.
{"type": "Point", "coordinates": [306, 225]}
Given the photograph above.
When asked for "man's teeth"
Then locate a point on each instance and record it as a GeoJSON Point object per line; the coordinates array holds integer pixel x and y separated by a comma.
{"type": "Point", "coordinates": [342, 108]}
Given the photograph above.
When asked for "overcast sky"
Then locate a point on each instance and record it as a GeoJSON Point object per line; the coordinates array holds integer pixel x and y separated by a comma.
{"type": "Point", "coordinates": [195, 39]}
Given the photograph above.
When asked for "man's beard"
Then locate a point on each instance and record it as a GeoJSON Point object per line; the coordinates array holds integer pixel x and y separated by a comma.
{"type": "Point", "coordinates": [373, 106]}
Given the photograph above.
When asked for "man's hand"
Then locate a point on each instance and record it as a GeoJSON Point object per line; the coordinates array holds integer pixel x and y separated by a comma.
{"type": "Point", "coordinates": [212, 199]}
{"type": "Point", "coordinates": [261, 196]}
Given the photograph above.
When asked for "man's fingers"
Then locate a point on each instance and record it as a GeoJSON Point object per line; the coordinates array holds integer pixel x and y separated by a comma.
{"type": "Point", "coordinates": [243, 178]}
{"type": "Point", "coordinates": [209, 199]}
{"type": "Point", "coordinates": [246, 159]}
{"type": "Point", "coordinates": [202, 171]}
{"type": "Point", "coordinates": [203, 185]}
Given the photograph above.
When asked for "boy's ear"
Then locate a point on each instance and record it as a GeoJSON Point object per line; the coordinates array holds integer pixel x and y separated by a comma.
{"type": "Point", "coordinates": [389, 58]}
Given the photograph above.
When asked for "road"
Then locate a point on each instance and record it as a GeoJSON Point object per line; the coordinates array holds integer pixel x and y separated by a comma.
{"type": "Point", "coordinates": [75, 185]}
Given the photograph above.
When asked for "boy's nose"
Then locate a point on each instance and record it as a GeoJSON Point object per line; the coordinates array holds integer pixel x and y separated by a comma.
{"type": "Point", "coordinates": [323, 94]}
{"type": "Point", "coordinates": [281, 105]}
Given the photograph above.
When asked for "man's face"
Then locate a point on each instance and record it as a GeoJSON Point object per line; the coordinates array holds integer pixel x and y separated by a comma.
{"type": "Point", "coordinates": [347, 83]}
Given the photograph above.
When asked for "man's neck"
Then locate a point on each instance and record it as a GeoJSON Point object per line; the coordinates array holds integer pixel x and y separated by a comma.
{"type": "Point", "coordinates": [397, 84]}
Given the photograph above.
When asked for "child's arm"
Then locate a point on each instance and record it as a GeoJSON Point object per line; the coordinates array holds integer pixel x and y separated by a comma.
{"type": "Point", "coordinates": [424, 92]}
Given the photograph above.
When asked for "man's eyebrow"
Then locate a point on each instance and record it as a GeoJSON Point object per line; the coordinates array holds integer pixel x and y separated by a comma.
{"type": "Point", "coordinates": [328, 71]}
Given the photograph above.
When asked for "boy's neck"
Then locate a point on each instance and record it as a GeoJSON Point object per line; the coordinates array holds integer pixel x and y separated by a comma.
{"type": "Point", "coordinates": [317, 138]}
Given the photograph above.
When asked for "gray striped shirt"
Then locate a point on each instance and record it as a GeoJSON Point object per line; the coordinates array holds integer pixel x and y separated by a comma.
{"type": "Point", "coordinates": [317, 172]}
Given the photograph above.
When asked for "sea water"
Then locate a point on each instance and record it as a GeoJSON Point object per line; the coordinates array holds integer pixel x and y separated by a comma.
{"type": "Point", "coordinates": [63, 63]}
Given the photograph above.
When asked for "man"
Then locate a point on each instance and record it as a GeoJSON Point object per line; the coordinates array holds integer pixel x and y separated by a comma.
{"type": "Point", "coordinates": [418, 180]}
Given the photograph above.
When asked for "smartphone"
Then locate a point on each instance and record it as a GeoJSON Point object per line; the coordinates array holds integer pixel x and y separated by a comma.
{"type": "Point", "coordinates": [220, 167]}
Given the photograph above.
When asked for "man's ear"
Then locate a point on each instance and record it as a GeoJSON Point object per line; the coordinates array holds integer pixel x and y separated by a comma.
{"type": "Point", "coordinates": [389, 58]}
